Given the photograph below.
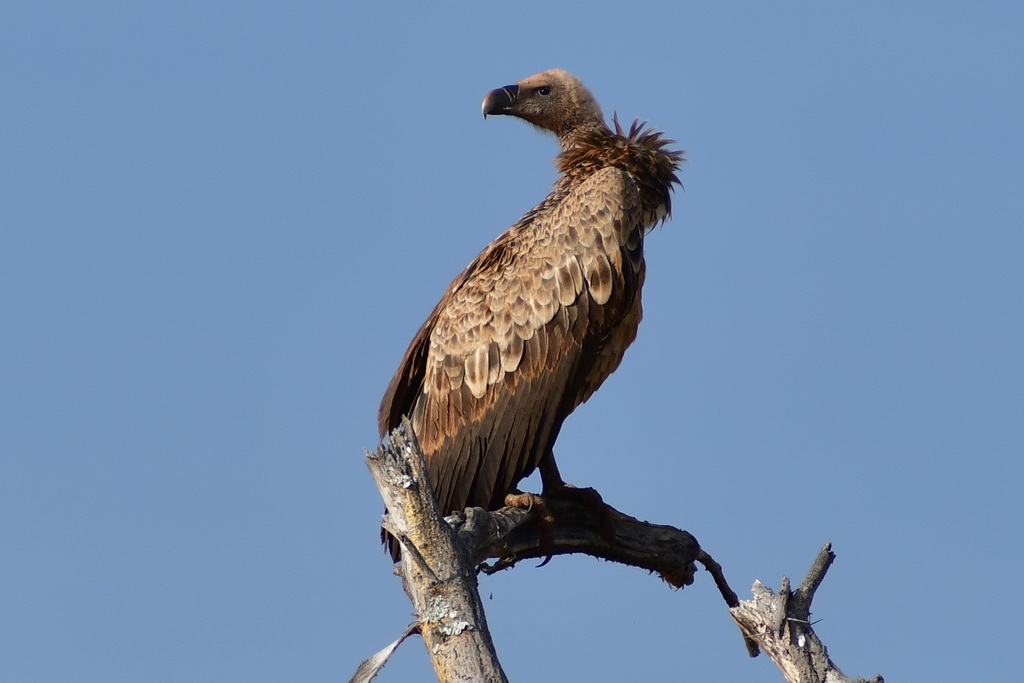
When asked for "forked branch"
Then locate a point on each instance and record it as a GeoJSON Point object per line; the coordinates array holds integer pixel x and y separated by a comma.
{"type": "Point", "coordinates": [780, 624]}
{"type": "Point", "coordinates": [441, 559]}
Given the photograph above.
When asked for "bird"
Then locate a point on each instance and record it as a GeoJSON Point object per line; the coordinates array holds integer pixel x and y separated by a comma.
{"type": "Point", "coordinates": [543, 315]}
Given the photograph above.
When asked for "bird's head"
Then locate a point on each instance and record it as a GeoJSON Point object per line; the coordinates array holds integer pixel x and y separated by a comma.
{"type": "Point", "coordinates": [553, 100]}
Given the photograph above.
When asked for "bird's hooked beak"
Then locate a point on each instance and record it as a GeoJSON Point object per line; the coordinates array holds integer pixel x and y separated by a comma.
{"type": "Point", "coordinates": [499, 101]}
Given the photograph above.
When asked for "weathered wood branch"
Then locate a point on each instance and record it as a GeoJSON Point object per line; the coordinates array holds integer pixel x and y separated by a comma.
{"type": "Point", "coordinates": [576, 527]}
{"type": "Point", "coordinates": [440, 557]}
{"type": "Point", "coordinates": [780, 624]}
{"type": "Point", "coordinates": [437, 573]}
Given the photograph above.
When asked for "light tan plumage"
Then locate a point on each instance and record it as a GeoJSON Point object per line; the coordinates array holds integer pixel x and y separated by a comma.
{"type": "Point", "coordinates": [543, 315]}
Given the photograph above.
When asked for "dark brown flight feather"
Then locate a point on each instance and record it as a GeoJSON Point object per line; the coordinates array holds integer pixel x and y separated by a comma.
{"type": "Point", "coordinates": [544, 314]}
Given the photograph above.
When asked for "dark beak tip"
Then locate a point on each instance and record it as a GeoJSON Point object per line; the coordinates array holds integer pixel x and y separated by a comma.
{"type": "Point", "coordinates": [499, 100]}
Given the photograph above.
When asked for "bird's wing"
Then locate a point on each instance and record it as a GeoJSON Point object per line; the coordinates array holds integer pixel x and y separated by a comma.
{"type": "Point", "coordinates": [523, 336]}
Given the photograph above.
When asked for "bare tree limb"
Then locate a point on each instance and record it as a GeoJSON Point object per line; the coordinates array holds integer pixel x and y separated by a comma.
{"type": "Point", "coordinates": [441, 557]}
{"type": "Point", "coordinates": [780, 624]}
{"type": "Point", "coordinates": [599, 531]}
{"type": "Point", "coordinates": [437, 574]}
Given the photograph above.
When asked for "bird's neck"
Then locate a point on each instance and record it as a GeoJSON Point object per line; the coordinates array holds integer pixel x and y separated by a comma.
{"type": "Point", "coordinates": [642, 153]}
{"type": "Point", "coordinates": [572, 138]}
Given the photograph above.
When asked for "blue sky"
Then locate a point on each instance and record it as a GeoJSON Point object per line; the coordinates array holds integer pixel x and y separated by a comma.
{"type": "Point", "coordinates": [221, 223]}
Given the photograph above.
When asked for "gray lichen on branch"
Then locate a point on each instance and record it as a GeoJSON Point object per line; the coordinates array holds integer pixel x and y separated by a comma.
{"type": "Point", "coordinates": [442, 556]}
{"type": "Point", "coordinates": [438, 574]}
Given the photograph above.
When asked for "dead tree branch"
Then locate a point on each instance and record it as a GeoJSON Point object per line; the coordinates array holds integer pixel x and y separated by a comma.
{"type": "Point", "coordinates": [440, 559]}
{"type": "Point", "coordinates": [780, 624]}
{"type": "Point", "coordinates": [438, 575]}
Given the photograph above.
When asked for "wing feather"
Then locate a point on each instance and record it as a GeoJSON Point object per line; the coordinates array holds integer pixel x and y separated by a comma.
{"type": "Point", "coordinates": [519, 339]}
{"type": "Point", "coordinates": [599, 278]}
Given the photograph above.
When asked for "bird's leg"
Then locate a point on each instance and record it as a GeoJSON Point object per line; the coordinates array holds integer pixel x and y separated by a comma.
{"type": "Point", "coordinates": [552, 481]}
{"type": "Point", "coordinates": [555, 487]}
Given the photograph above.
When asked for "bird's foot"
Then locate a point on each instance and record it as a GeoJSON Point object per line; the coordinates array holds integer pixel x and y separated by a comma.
{"type": "Point", "coordinates": [587, 498]}
{"type": "Point", "coordinates": [545, 520]}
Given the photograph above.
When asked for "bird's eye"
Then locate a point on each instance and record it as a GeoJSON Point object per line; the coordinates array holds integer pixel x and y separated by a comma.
{"type": "Point", "coordinates": [544, 90]}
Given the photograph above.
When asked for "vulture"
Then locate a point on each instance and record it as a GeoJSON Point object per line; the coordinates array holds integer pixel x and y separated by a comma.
{"type": "Point", "coordinates": [535, 324]}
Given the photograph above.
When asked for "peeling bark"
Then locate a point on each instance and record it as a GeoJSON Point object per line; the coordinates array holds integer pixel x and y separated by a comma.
{"type": "Point", "coordinates": [437, 572]}
{"type": "Point", "coordinates": [441, 558]}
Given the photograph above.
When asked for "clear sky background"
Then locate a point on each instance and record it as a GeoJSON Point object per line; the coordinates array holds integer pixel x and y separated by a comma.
{"type": "Point", "coordinates": [221, 224]}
